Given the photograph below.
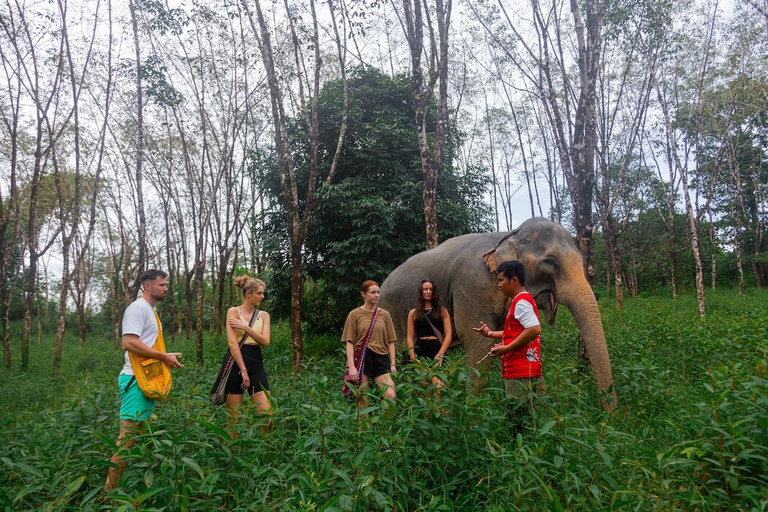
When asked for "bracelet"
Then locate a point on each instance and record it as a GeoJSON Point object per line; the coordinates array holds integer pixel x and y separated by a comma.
{"type": "Point", "coordinates": [439, 355]}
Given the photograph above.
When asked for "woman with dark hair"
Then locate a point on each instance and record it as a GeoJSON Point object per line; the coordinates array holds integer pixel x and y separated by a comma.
{"type": "Point", "coordinates": [380, 353]}
{"type": "Point", "coordinates": [248, 375]}
{"type": "Point", "coordinates": [429, 327]}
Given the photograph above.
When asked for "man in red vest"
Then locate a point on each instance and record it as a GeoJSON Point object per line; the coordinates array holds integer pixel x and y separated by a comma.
{"type": "Point", "coordinates": [520, 347]}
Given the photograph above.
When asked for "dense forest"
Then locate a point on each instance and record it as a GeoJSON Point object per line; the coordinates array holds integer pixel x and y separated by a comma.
{"type": "Point", "coordinates": [317, 144]}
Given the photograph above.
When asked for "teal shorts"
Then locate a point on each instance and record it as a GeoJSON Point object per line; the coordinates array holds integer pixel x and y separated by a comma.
{"type": "Point", "coordinates": [134, 406]}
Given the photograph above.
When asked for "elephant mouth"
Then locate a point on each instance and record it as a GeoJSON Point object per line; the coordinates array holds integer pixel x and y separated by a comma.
{"type": "Point", "coordinates": [546, 301]}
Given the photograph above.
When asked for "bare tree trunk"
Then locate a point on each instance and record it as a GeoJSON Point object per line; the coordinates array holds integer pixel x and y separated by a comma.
{"type": "Point", "coordinates": [298, 221]}
{"type": "Point", "coordinates": [297, 295]}
{"type": "Point", "coordinates": [492, 159]}
{"type": "Point", "coordinates": [200, 303]}
{"type": "Point", "coordinates": [713, 245]}
{"type": "Point", "coordinates": [189, 295]}
{"type": "Point", "coordinates": [737, 248]}
{"type": "Point", "coordinates": [32, 240]}
{"type": "Point", "coordinates": [65, 275]}
{"type": "Point", "coordinates": [431, 158]}
{"type": "Point", "coordinates": [737, 215]}
{"type": "Point", "coordinates": [172, 274]}
{"type": "Point", "coordinates": [612, 246]}
{"type": "Point", "coordinates": [693, 232]}
{"type": "Point", "coordinates": [142, 232]}
{"type": "Point", "coordinates": [10, 217]}
{"type": "Point", "coordinates": [583, 146]}
{"type": "Point", "coordinates": [113, 273]}
{"type": "Point", "coordinates": [74, 206]}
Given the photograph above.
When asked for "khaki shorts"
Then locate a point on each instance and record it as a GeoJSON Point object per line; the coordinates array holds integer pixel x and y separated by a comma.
{"type": "Point", "coordinates": [525, 388]}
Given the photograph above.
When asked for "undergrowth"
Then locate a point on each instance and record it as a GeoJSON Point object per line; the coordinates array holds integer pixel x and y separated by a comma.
{"type": "Point", "coordinates": [691, 430]}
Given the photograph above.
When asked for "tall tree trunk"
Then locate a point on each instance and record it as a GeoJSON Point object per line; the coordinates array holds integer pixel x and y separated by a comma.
{"type": "Point", "coordinates": [10, 218]}
{"type": "Point", "coordinates": [142, 231]}
{"type": "Point", "coordinates": [189, 295]}
{"type": "Point", "coordinates": [612, 245]}
{"type": "Point", "coordinates": [673, 253]}
{"type": "Point", "coordinates": [693, 233]}
{"type": "Point", "coordinates": [74, 207]}
{"type": "Point", "coordinates": [583, 146]}
{"type": "Point", "coordinates": [297, 295]}
{"type": "Point", "coordinates": [740, 213]}
{"type": "Point", "coordinates": [713, 246]}
{"type": "Point", "coordinates": [31, 278]}
{"type": "Point", "coordinates": [200, 303]}
{"type": "Point", "coordinates": [431, 158]}
{"type": "Point", "coordinates": [298, 221]}
{"type": "Point", "coordinates": [737, 248]}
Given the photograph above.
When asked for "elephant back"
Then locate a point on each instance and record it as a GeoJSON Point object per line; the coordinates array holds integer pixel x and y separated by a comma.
{"type": "Point", "coordinates": [455, 263]}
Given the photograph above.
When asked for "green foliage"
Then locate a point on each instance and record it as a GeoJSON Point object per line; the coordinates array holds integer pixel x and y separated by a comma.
{"type": "Point", "coordinates": [371, 218]}
{"type": "Point", "coordinates": [691, 431]}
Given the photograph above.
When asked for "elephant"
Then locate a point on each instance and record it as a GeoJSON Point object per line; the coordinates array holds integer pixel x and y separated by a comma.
{"type": "Point", "coordinates": [463, 269]}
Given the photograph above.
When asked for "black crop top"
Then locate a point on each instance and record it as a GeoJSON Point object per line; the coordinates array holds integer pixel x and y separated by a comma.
{"type": "Point", "coordinates": [423, 330]}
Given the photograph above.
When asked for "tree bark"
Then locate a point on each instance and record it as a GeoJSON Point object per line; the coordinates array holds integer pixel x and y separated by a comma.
{"type": "Point", "coordinates": [142, 231]}
{"type": "Point", "coordinates": [298, 221]}
{"type": "Point", "coordinates": [431, 158]}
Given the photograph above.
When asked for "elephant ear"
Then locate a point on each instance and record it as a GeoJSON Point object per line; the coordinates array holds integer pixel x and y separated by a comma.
{"type": "Point", "coordinates": [492, 257]}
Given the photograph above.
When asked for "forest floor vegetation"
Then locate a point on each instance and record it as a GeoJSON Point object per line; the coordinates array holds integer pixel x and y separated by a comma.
{"type": "Point", "coordinates": [691, 430]}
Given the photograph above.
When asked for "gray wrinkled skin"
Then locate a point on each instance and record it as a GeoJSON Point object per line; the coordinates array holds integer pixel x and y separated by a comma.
{"type": "Point", "coordinates": [462, 268]}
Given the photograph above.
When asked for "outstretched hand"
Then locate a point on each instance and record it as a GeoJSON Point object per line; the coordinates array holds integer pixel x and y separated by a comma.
{"type": "Point", "coordinates": [483, 329]}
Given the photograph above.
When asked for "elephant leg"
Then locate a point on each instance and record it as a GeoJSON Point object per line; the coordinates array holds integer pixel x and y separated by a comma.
{"type": "Point", "coordinates": [475, 344]}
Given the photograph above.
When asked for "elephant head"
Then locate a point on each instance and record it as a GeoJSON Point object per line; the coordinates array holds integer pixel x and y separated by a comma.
{"type": "Point", "coordinates": [555, 274]}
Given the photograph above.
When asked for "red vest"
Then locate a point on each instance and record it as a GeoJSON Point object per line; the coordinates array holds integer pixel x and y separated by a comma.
{"type": "Point", "coordinates": [524, 361]}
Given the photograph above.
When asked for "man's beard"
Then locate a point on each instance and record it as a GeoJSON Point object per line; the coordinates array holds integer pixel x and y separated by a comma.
{"type": "Point", "coordinates": [158, 297]}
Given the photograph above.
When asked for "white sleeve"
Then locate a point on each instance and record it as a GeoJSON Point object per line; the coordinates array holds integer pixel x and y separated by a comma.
{"type": "Point", "coordinates": [525, 314]}
{"type": "Point", "coordinates": [133, 321]}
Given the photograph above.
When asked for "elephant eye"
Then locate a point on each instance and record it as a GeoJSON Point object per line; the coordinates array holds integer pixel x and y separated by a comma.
{"type": "Point", "coordinates": [549, 261]}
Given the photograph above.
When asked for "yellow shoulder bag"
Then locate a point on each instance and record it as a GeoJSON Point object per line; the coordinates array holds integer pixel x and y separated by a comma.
{"type": "Point", "coordinates": [152, 375]}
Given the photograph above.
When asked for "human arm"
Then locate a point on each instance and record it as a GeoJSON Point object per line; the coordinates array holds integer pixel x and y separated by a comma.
{"type": "Point", "coordinates": [410, 335]}
{"type": "Point", "coordinates": [392, 357]}
{"type": "Point", "coordinates": [448, 334]}
{"type": "Point", "coordinates": [523, 339]}
{"type": "Point", "coordinates": [391, 340]}
{"type": "Point", "coordinates": [234, 347]}
{"type": "Point", "coordinates": [350, 350]}
{"type": "Point", "coordinates": [487, 332]}
{"type": "Point", "coordinates": [262, 338]}
{"type": "Point", "coordinates": [133, 344]}
{"type": "Point", "coordinates": [348, 337]}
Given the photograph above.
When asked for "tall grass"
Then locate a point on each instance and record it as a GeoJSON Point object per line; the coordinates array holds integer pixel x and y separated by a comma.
{"type": "Point", "coordinates": [691, 430]}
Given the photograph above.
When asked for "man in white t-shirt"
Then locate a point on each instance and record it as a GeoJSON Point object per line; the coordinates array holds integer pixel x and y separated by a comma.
{"type": "Point", "coordinates": [140, 331]}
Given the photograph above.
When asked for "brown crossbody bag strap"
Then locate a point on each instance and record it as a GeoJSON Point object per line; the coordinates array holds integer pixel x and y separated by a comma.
{"type": "Point", "coordinates": [436, 331]}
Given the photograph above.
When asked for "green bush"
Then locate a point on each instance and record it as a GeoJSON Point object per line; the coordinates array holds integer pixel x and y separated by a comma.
{"type": "Point", "coordinates": [691, 431]}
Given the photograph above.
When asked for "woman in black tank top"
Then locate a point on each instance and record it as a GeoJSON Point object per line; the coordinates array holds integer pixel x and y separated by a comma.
{"type": "Point", "coordinates": [428, 322]}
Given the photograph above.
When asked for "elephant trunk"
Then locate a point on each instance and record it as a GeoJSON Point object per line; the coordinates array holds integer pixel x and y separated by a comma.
{"type": "Point", "coordinates": [579, 298]}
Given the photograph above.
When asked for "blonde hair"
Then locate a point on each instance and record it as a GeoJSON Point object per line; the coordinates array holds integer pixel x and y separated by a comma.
{"type": "Point", "coordinates": [248, 283]}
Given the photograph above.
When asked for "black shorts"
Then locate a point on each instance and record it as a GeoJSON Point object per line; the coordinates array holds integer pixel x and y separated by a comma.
{"type": "Point", "coordinates": [427, 348]}
{"type": "Point", "coordinates": [256, 372]}
{"type": "Point", "coordinates": [376, 364]}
